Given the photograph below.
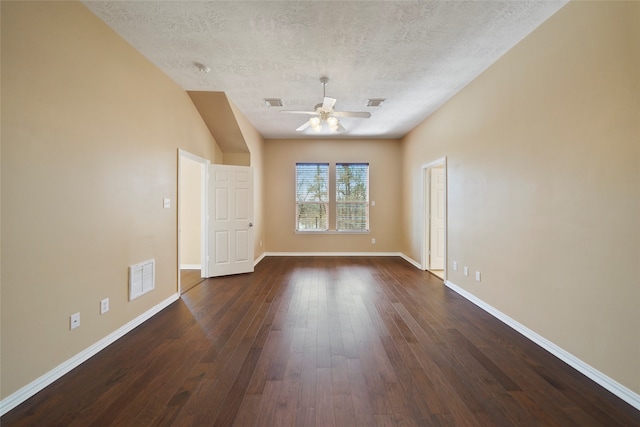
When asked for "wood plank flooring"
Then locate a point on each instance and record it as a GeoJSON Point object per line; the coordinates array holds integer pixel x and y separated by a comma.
{"type": "Point", "coordinates": [323, 342]}
{"type": "Point", "coordinates": [189, 279]}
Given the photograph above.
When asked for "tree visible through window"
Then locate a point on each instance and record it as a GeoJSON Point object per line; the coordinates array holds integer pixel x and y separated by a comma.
{"type": "Point", "coordinates": [312, 196]}
{"type": "Point", "coordinates": [352, 196]}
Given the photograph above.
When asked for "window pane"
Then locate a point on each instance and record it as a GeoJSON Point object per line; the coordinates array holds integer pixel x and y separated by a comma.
{"type": "Point", "coordinates": [312, 216]}
{"type": "Point", "coordinates": [352, 181]}
{"type": "Point", "coordinates": [312, 196]}
{"type": "Point", "coordinates": [352, 196]}
{"type": "Point", "coordinates": [352, 216]}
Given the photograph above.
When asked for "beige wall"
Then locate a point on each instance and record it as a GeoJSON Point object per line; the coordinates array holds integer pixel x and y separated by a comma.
{"type": "Point", "coordinates": [384, 158]}
{"type": "Point", "coordinates": [544, 184]}
{"type": "Point", "coordinates": [190, 212]}
{"type": "Point", "coordinates": [255, 144]}
{"type": "Point", "coordinates": [236, 159]}
{"type": "Point", "coordinates": [90, 138]}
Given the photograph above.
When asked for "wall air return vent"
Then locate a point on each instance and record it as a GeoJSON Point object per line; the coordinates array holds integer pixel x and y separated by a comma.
{"type": "Point", "coordinates": [142, 278]}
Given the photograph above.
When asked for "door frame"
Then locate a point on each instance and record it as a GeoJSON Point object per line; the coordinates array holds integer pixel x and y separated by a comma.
{"type": "Point", "coordinates": [426, 211]}
{"type": "Point", "coordinates": [204, 164]}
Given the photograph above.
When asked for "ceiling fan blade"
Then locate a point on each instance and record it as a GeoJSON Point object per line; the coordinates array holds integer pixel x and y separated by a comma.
{"type": "Point", "coordinates": [304, 126]}
{"type": "Point", "coordinates": [328, 103]}
{"type": "Point", "coordinates": [308, 113]}
{"type": "Point", "coordinates": [359, 114]}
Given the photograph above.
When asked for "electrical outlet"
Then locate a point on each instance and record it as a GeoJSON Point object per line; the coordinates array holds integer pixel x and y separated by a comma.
{"type": "Point", "coordinates": [466, 270]}
{"type": "Point", "coordinates": [455, 266]}
{"type": "Point", "coordinates": [477, 276]}
{"type": "Point", "coordinates": [104, 305]}
{"type": "Point", "coordinates": [373, 241]}
{"type": "Point", "coordinates": [74, 321]}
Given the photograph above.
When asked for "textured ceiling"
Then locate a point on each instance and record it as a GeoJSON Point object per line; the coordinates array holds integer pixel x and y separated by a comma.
{"type": "Point", "coordinates": [415, 54]}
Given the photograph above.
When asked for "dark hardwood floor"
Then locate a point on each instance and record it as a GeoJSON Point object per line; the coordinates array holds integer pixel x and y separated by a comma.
{"type": "Point", "coordinates": [189, 279]}
{"type": "Point", "coordinates": [323, 342]}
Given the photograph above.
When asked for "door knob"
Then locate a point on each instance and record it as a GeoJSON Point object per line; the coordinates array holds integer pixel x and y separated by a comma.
{"type": "Point", "coordinates": [250, 224]}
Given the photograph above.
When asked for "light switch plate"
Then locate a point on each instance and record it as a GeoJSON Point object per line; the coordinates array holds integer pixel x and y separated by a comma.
{"type": "Point", "coordinates": [166, 203]}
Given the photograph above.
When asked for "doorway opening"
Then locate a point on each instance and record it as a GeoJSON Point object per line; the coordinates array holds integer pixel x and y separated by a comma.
{"type": "Point", "coordinates": [434, 196]}
{"type": "Point", "coordinates": [192, 224]}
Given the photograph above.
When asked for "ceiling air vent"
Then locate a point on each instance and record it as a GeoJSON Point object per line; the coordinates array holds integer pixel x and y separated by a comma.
{"type": "Point", "coordinates": [273, 102]}
{"type": "Point", "coordinates": [375, 102]}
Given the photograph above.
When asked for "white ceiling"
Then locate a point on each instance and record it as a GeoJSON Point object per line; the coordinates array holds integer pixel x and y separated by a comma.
{"type": "Point", "coordinates": [416, 54]}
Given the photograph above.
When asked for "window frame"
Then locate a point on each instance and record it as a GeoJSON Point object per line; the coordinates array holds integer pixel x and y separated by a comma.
{"type": "Point", "coordinates": [364, 203]}
{"type": "Point", "coordinates": [331, 206]}
{"type": "Point", "coordinates": [325, 203]}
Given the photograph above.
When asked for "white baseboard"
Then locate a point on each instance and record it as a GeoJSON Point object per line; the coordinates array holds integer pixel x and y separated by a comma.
{"type": "Point", "coordinates": [333, 254]}
{"type": "Point", "coordinates": [190, 267]}
{"type": "Point", "coordinates": [38, 384]}
{"type": "Point", "coordinates": [260, 258]}
{"type": "Point", "coordinates": [624, 393]}
{"type": "Point", "coordinates": [410, 260]}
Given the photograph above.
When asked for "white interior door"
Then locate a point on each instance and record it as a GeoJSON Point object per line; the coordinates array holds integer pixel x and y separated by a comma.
{"type": "Point", "coordinates": [230, 216]}
{"type": "Point", "coordinates": [437, 234]}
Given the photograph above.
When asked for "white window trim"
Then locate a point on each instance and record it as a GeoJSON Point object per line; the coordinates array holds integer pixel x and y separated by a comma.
{"type": "Point", "coordinates": [335, 204]}
{"type": "Point", "coordinates": [327, 203]}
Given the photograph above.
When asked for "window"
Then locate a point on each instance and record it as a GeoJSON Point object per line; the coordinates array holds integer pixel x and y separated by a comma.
{"type": "Point", "coordinates": [312, 196]}
{"type": "Point", "coordinates": [352, 197]}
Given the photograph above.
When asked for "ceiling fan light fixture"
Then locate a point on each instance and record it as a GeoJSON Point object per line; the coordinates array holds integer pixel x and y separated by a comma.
{"type": "Point", "coordinates": [315, 123]}
{"type": "Point", "coordinates": [324, 113]}
{"type": "Point", "coordinates": [333, 123]}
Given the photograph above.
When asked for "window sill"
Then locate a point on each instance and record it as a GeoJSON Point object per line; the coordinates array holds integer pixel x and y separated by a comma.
{"type": "Point", "coordinates": [332, 232]}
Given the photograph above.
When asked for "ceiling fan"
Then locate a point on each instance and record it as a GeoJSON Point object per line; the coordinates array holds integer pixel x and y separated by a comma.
{"type": "Point", "coordinates": [325, 114]}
